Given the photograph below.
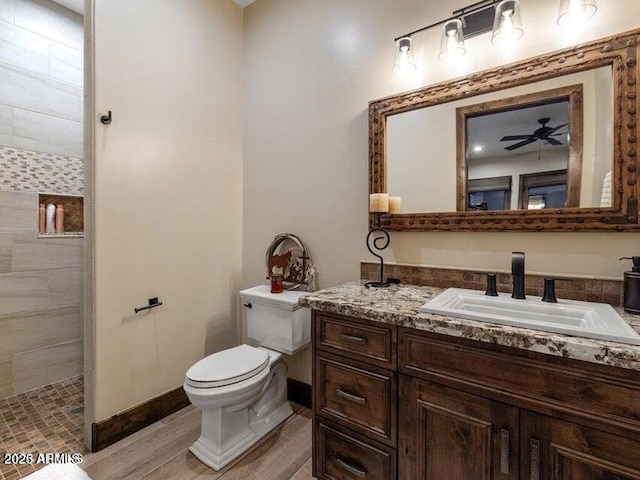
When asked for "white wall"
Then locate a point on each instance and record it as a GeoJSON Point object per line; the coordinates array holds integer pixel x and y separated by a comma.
{"type": "Point", "coordinates": [168, 192]}
{"type": "Point", "coordinates": [310, 70]}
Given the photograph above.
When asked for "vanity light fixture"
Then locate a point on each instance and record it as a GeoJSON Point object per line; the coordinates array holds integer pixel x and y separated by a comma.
{"type": "Point", "coordinates": [464, 23]}
{"type": "Point", "coordinates": [576, 12]}
{"type": "Point", "coordinates": [404, 60]}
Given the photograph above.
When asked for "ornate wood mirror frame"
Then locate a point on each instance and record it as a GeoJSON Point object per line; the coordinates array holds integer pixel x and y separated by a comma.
{"type": "Point", "coordinates": [619, 51]}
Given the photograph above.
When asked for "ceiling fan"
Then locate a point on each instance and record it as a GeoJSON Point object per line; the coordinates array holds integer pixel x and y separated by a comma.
{"type": "Point", "coordinates": [544, 133]}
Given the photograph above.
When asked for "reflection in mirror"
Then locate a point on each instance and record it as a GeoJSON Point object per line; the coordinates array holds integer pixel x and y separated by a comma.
{"type": "Point", "coordinates": [421, 148]}
{"type": "Point", "coordinates": [519, 139]}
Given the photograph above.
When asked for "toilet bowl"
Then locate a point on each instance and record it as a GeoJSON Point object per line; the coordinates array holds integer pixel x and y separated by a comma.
{"type": "Point", "coordinates": [242, 391]}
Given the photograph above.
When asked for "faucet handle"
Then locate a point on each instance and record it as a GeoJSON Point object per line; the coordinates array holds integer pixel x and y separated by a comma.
{"type": "Point", "coordinates": [549, 290]}
{"type": "Point", "coordinates": [492, 290]}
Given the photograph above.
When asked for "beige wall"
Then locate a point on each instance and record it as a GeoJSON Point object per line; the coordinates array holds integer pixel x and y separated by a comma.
{"type": "Point", "coordinates": [168, 192]}
{"type": "Point", "coordinates": [310, 70]}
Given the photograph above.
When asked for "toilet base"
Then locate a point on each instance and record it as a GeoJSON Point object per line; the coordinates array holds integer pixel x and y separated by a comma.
{"type": "Point", "coordinates": [203, 450]}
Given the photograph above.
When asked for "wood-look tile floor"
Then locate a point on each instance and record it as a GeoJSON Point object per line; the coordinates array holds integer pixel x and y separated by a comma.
{"type": "Point", "coordinates": [161, 452]}
{"type": "Point", "coordinates": [47, 420]}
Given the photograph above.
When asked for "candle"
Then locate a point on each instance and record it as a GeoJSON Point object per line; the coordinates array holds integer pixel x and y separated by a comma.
{"type": "Point", "coordinates": [395, 204]}
{"type": "Point", "coordinates": [379, 203]}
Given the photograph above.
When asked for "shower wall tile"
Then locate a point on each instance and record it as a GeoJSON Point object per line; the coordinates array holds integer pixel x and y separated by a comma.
{"type": "Point", "coordinates": [6, 10]}
{"type": "Point", "coordinates": [6, 124]}
{"type": "Point", "coordinates": [23, 170]}
{"type": "Point", "coordinates": [46, 365]}
{"type": "Point", "coordinates": [6, 252]}
{"type": "Point", "coordinates": [33, 253]}
{"type": "Point", "coordinates": [30, 91]}
{"type": "Point", "coordinates": [46, 133]}
{"type": "Point", "coordinates": [65, 286]}
{"type": "Point", "coordinates": [50, 20]}
{"type": "Point", "coordinates": [17, 210]}
{"type": "Point", "coordinates": [66, 64]}
{"type": "Point", "coordinates": [41, 150]}
{"type": "Point", "coordinates": [23, 48]}
{"type": "Point", "coordinates": [24, 292]}
{"type": "Point", "coordinates": [6, 375]}
{"type": "Point", "coordinates": [33, 330]}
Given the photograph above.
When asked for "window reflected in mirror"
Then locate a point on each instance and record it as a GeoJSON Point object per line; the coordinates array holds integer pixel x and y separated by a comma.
{"type": "Point", "coordinates": [543, 190]}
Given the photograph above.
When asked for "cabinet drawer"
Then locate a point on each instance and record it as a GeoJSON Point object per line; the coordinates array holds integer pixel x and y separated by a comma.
{"type": "Point", "coordinates": [598, 395]}
{"type": "Point", "coordinates": [360, 339]}
{"type": "Point", "coordinates": [344, 456]}
{"type": "Point", "coordinates": [358, 395]}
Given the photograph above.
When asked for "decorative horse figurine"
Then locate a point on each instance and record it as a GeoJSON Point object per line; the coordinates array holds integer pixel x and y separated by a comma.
{"type": "Point", "coordinates": [281, 261]}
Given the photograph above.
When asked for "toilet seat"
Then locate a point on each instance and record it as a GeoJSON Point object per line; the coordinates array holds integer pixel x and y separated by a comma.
{"type": "Point", "coordinates": [227, 367]}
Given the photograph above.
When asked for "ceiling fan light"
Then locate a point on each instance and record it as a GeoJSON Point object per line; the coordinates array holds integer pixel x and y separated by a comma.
{"type": "Point", "coordinates": [576, 12]}
{"type": "Point", "coordinates": [404, 60]}
{"type": "Point", "coordinates": [452, 42]}
{"type": "Point", "coordinates": [507, 24]}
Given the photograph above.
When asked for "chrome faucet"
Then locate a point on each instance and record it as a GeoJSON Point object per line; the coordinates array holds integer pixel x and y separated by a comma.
{"type": "Point", "coordinates": [517, 272]}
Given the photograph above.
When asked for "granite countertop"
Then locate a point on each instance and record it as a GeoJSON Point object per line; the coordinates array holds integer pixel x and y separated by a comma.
{"type": "Point", "coordinates": [399, 304]}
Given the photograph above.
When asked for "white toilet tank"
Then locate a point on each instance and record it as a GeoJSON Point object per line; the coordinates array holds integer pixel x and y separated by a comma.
{"type": "Point", "coordinates": [276, 320]}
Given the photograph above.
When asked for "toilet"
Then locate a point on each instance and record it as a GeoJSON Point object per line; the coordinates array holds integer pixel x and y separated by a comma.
{"type": "Point", "coordinates": [242, 391]}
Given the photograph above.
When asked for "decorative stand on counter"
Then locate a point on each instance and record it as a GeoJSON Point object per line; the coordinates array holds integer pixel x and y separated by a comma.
{"type": "Point", "coordinates": [385, 238]}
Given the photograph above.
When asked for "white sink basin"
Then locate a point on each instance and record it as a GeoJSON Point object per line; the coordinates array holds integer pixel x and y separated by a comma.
{"type": "Point", "coordinates": [582, 319]}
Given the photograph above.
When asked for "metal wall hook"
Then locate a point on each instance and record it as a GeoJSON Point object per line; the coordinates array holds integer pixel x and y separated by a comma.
{"type": "Point", "coordinates": [106, 119]}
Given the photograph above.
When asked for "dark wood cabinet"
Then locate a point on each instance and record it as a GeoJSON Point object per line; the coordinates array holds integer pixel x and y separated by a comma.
{"type": "Point", "coordinates": [354, 399]}
{"type": "Point", "coordinates": [446, 433]}
{"type": "Point", "coordinates": [557, 450]}
{"type": "Point", "coordinates": [394, 402]}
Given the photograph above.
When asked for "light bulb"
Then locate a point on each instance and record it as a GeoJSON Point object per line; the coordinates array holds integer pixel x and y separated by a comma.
{"type": "Point", "coordinates": [404, 61]}
{"type": "Point", "coordinates": [507, 26]}
{"type": "Point", "coordinates": [576, 12]}
{"type": "Point", "coordinates": [452, 43]}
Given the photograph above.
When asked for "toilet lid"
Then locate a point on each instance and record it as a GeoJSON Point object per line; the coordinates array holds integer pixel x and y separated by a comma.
{"type": "Point", "coordinates": [228, 366]}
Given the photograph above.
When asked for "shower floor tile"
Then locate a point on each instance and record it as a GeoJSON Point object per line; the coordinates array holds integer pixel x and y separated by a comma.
{"type": "Point", "coordinates": [47, 420]}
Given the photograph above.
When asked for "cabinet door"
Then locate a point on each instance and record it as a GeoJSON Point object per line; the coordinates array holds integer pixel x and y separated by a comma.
{"type": "Point", "coordinates": [448, 434]}
{"type": "Point", "coordinates": [558, 450]}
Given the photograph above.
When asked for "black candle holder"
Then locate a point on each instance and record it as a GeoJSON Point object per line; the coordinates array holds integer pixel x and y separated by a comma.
{"type": "Point", "coordinates": [375, 242]}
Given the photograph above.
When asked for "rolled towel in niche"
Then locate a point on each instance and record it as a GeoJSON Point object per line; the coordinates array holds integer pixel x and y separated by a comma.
{"type": "Point", "coordinates": [605, 198]}
{"type": "Point", "coordinates": [50, 222]}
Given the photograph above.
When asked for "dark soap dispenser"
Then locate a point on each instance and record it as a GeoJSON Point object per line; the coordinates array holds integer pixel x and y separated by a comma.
{"type": "Point", "coordinates": [632, 287]}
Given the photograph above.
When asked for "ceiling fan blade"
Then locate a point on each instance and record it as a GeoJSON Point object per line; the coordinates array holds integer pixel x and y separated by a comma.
{"type": "Point", "coordinates": [521, 144]}
{"type": "Point", "coordinates": [515, 137]}
{"type": "Point", "coordinates": [553, 141]}
{"type": "Point", "coordinates": [557, 128]}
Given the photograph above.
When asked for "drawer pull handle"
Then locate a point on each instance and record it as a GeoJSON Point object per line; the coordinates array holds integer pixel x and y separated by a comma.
{"type": "Point", "coordinates": [535, 459]}
{"type": "Point", "coordinates": [350, 468]}
{"type": "Point", "coordinates": [351, 397]}
{"type": "Point", "coordinates": [504, 451]}
{"type": "Point", "coordinates": [353, 339]}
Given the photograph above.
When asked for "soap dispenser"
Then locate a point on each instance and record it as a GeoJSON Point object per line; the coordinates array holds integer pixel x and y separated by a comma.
{"type": "Point", "coordinates": [632, 287]}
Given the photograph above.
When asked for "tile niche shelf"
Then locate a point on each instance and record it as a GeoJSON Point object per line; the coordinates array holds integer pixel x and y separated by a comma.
{"type": "Point", "coordinates": [73, 224]}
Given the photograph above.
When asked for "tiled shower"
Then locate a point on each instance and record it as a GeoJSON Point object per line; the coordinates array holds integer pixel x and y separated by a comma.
{"type": "Point", "coordinates": [41, 277]}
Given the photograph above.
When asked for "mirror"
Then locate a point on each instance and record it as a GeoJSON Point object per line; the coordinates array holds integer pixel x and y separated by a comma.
{"type": "Point", "coordinates": [536, 145]}
{"type": "Point", "coordinates": [536, 142]}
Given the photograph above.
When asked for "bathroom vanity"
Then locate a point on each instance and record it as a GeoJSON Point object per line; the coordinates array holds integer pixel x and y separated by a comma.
{"type": "Point", "coordinates": [399, 394]}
